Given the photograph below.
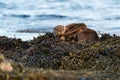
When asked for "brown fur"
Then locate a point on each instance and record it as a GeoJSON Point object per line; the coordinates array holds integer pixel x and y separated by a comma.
{"type": "Point", "coordinates": [72, 29]}
{"type": "Point", "coordinates": [75, 32]}
{"type": "Point", "coordinates": [59, 31]}
{"type": "Point", "coordinates": [85, 35]}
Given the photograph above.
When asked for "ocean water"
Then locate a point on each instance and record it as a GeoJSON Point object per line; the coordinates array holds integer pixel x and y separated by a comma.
{"type": "Point", "coordinates": [26, 19]}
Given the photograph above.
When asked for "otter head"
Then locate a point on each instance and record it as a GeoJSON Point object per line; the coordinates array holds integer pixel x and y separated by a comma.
{"type": "Point", "coordinates": [59, 31]}
{"type": "Point", "coordinates": [73, 28]}
{"type": "Point", "coordinates": [82, 25]}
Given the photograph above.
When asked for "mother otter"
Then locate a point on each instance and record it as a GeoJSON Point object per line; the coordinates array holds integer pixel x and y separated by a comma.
{"type": "Point", "coordinates": [72, 29]}
{"type": "Point", "coordinates": [86, 35]}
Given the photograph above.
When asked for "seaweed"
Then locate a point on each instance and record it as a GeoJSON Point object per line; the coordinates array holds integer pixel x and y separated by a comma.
{"type": "Point", "coordinates": [48, 52]}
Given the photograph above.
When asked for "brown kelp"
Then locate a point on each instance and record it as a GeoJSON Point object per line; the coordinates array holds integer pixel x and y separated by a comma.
{"type": "Point", "coordinates": [48, 52]}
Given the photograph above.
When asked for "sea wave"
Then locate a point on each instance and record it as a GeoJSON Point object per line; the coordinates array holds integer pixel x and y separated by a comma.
{"type": "Point", "coordinates": [32, 16]}
{"type": "Point", "coordinates": [35, 30]}
{"type": "Point", "coordinates": [7, 6]}
{"type": "Point", "coordinates": [51, 16]}
{"type": "Point", "coordinates": [41, 16]}
{"type": "Point", "coordinates": [113, 18]}
{"type": "Point", "coordinates": [18, 15]}
{"type": "Point", "coordinates": [2, 5]}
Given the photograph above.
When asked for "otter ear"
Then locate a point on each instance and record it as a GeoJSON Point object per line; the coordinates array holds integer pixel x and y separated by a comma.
{"type": "Point", "coordinates": [59, 26]}
{"type": "Point", "coordinates": [83, 25]}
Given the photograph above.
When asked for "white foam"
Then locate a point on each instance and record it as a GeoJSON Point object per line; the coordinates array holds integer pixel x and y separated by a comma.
{"type": "Point", "coordinates": [91, 12]}
{"type": "Point", "coordinates": [23, 36]}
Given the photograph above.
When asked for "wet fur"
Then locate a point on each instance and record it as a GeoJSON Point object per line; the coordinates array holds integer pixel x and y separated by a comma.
{"type": "Point", "coordinates": [59, 31]}
{"type": "Point", "coordinates": [75, 32]}
{"type": "Point", "coordinates": [87, 35]}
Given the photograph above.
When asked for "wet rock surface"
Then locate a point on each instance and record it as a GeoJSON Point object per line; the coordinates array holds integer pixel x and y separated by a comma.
{"type": "Point", "coordinates": [48, 52]}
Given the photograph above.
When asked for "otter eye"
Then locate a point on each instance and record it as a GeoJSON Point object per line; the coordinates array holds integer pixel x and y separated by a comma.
{"type": "Point", "coordinates": [61, 30]}
{"type": "Point", "coordinates": [57, 29]}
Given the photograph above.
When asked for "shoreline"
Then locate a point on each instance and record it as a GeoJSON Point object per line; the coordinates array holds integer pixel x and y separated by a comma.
{"type": "Point", "coordinates": [46, 52]}
{"type": "Point", "coordinates": [27, 36]}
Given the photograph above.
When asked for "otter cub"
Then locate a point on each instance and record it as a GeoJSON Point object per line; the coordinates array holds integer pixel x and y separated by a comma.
{"type": "Point", "coordinates": [59, 31]}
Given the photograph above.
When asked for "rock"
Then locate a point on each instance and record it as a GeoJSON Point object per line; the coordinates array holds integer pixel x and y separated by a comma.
{"type": "Point", "coordinates": [5, 65]}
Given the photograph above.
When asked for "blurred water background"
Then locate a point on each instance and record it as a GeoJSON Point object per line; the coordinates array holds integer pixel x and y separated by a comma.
{"type": "Point", "coordinates": [26, 19]}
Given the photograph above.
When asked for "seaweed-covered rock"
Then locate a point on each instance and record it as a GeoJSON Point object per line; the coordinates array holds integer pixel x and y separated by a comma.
{"type": "Point", "coordinates": [9, 43]}
{"type": "Point", "coordinates": [47, 51]}
{"type": "Point", "coordinates": [101, 59]}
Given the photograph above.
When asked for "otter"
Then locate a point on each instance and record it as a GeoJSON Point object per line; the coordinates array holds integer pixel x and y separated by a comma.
{"type": "Point", "coordinates": [69, 31]}
{"type": "Point", "coordinates": [80, 33]}
{"type": "Point", "coordinates": [66, 32]}
{"type": "Point", "coordinates": [77, 32]}
{"type": "Point", "coordinates": [87, 35]}
{"type": "Point", "coordinates": [59, 31]}
{"type": "Point", "coordinates": [72, 29]}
